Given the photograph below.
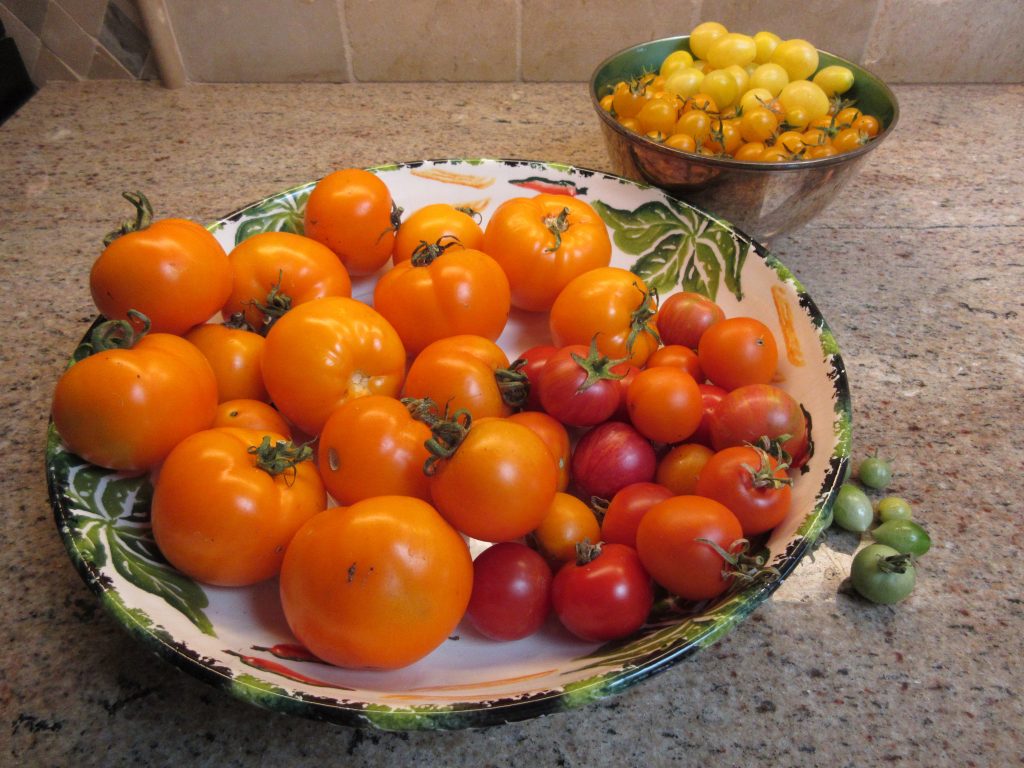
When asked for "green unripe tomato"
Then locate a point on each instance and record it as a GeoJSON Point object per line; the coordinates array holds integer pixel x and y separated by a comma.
{"type": "Point", "coordinates": [904, 536]}
{"type": "Point", "coordinates": [893, 508]}
{"type": "Point", "coordinates": [875, 473]}
{"type": "Point", "coordinates": [852, 509]}
{"type": "Point", "coordinates": [883, 575]}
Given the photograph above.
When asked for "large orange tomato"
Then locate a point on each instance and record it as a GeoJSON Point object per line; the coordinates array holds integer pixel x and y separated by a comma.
{"type": "Point", "coordinates": [543, 242]}
{"type": "Point", "coordinates": [376, 585]}
{"type": "Point", "coordinates": [172, 270]}
{"type": "Point", "coordinates": [612, 305]}
{"type": "Point", "coordinates": [234, 354]}
{"type": "Point", "coordinates": [326, 352]}
{"type": "Point", "coordinates": [126, 408]}
{"type": "Point", "coordinates": [466, 372]}
{"type": "Point", "coordinates": [275, 271]}
{"type": "Point", "coordinates": [352, 213]}
{"type": "Point", "coordinates": [443, 291]}
{"type": "Point", "coordinates": [434, 223]}
{"type": "Point", "coordinates": [227, 502]}
{"type": "Point", "coordinates": [372, 446]}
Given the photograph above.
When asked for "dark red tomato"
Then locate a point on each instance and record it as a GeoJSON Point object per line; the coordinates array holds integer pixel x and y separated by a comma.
{"type": "Point", "coordinates": [603, 596]}
{"type": "Point", "coordinates": [752, 484]}
{"type": "Point", "coordinates": [511, 595]}
{"type": "Point", "coordinates": [625, 510]}
{"type": "Point", "coordinates": [533, 360]}
{"type": "Point", "coordinates": [611, 456]}
{"type": "Point", "coordinates": [578, 387]}
{"type": "Point", "coordinates": [628, 373]}
{"type": "Point", "coordinates": [710, 396]}
{"type": "Point", "coordinates": [683, 318]}
{"type": "Point", "coordinates": [748, 413]}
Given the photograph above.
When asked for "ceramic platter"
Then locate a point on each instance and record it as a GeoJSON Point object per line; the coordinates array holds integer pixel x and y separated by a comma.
{"type": "Point", "coordinates": [237, 639]}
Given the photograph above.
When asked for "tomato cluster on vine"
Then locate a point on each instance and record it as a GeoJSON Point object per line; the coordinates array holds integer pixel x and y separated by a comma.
{"type": "Point", "coordinates": [352, 449]}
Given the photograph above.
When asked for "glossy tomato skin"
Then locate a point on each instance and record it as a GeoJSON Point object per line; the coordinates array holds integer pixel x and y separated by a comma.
{"type": "Point", "coordinates": [460, 291]}
{"type": "Point", "coordinates": [677, 356]}
{"type": "Point", "coordinates": [377, 585]}
{"type": "Point", "coordinates": [664, 404]}
{"type": "Point", "coordinates": [539, 262]}
{"type": "Point", "coordinates": [683, 317]}
{"type": "Point", "coordinates": [667, 542]}
{"type": "Point", "coordinates": [710, 396]}
{"type": "Point", "coordinates": [251, 414]}
{"type": "Point", "coordinates": [746, 414]}
{"type": "Point", "coordinates": [437, 222]}
{"type": "Point", "coordinates": [499, 483]}
{"type": "Point", "coordinates": [727, 478]}
{"type": "Point", "coordinates": [567, 523]}
{"type": "Point", "coordinates": [460, 372]}
{"type": "Point", "coordinates": [611, 456]}
{"type": "Point", "coordinates": [173, 271]}
{"type": "Point", "coordinates": [272, 267]}
{"type": "Point", "coordinates": [555, 437]}
{"type": "Point", "coordinates": [681, 465]}
{"type": "Point", "coordinates": [606, 598]}
{"type": "Point", "coordinates": [612, 306]}
{"type": "Point", "coordinates": [625, 510]}
{"type": "Point", "coordinates": [566, 394]}
{"type": "Point", "coordinates": [235, 355]}
{"type": "Point", "coordinates": [126, 409]}
{"type": "Point", "coordinates": [511, 596]}
{"type": "Point", "coordinates": [738, 351]}
{"type": "Point", "coordinates": [352, 213]}
{"type": "Point", "coordinates": [532, 361]}
{"type": "Point", "coordinates": [220, 518]}
{"type": "Point", "coordinates": [327, 351]}
{"type": "Point", "coordinates": [372, 446]}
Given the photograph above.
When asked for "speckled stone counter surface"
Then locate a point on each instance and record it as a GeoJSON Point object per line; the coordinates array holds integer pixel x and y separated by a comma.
{"type": "Point", "coordinates": [919, 269]}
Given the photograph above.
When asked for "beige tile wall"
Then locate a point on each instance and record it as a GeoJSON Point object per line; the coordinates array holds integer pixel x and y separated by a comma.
{"type": "Point", "coordinates": [498, 40]}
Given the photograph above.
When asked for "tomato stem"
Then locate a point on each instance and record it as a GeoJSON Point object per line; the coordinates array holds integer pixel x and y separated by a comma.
{"type": "Point", "coordinates": [118, 334]}
{"type": "Point", "coordinates": [276, 458]}
{"type": "Point", "coordinates": [513, 384]}
{"type": "Point", "coordinates": [740, 565]}
{"type": "Point", "coordinates": [587, 552]}
{"type": "Point", "coordinates": [143, 217]}
{"type": "Point", "coordinates": [277, 304]}
{"type": "Point", "coordinates": [895, 563]}
{"type": "Point", "coordinates": [556, 226]}
{"type": "Point", "coordinates": [764, 476]}
{"type": "Point", "coordinates": [446, 434]}
{"type": "Point", "coordinates": [640, 321]}
{"type": "Point", "coordinates": [426, 253]}
{"type": "Point", "coordinates": [597, 366]}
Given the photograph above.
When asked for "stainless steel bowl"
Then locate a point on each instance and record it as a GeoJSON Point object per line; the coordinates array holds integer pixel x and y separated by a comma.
{"type": "Point", "coordinates": [765, 200]}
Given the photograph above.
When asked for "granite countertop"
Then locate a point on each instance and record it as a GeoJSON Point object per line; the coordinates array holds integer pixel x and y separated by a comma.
{"type": "Point", "coordinates": [918, 268]}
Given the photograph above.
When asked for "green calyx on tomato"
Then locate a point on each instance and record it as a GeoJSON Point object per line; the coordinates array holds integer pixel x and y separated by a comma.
{"type": "Point", "coordinates": [640, 322]}
{"type": "Point", "coordinates": [280, 456]}
{"type": "Point", "coordinates": [276, 304]}
{"type": "Point", "coordinates": [741, 566]}
{"type": "Point", "coordinates": [556, 226]}
{"type": "Point", "coordinates": [118, 334]}
{"type": "Point", "coordinates": [598, 367]}
{"type": "Point", "coordinates": [425, 253]}
{"type": "Point", "coordinates": [446, 433]}
{"type": "Point", "coordinates": [143, 217]}
{"type": "Point", "coordinates": [513, 384]}
{"type": "Point", "coordinates": [764, 476]}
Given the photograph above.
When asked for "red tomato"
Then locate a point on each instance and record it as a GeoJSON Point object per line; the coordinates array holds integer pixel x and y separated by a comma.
{"type": "Point", "coordinates": [126, 409]}
{"type": "Point", "coordinates": [352, 213]}
{"type": "Point", "coordinates": [235, 354]}
{"type": "Point", "coordinates": [275, 271]}
{"type": "Point", "coordinates": [611, 456]}
{"type": "Point", "coordinates": [376, 585]}
{"type": "Point", "coordinates": [710, 396]}
{"type": "Point", "coordinates": [578, 387]}
{"type": "Point", "coordinates": [173, 271]}
{"type": "Point", "coordinates": [752, 484]}
{"type": "Point", "coordinates": [511, 595]}
{"type": "Point", "coordinates": [568, 522]}
{"type": "Point", "coordinates": [668, 542]}
{"type": "Point", "coordinates": [251, 414]}
{"type": "Point", "coordinates": [683, 318]}
{"type": "Point", "coordinates": [738, 351]}
{"type": "Point", "coordinates": [542, 243]}
{"type": "Point", "coordinates": [749, 413]}
{"type": "Point", "coordinates": [555, 437]}
{"type": "Point", "coordinates": [227, 502]}
{"type": "Point", "coordinates": [626, 508]}
{"type": "Point", "coordinates": [531, 363]}
{"type": "Point", "coordinates": [664, 404]}
{"type": "Point", "coordinates": [611, 305]}
{"type": "Point", "coordinates": [604, 596]}
{"type": "Point", "coordinates": [437, 223]}
{"type": "Point", "coordinates": [442, 292]}
{"type": "Point", "coordinates": [326, 352]}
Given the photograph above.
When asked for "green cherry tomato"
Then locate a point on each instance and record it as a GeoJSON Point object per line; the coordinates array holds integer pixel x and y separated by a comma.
{"type": "Point", "coordinates": [875, 473]}
{"type": "Point", "coordinates": [852, 509]}
{"type": "Point", "coordinates": [893, 508]}
{"type": "Point", "coordinates": [883, 575]}
{"type": "Point", "coordinates": [905, 536]}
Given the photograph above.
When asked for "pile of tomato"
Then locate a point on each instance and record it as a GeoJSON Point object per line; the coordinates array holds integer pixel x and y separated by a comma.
{"type": "Point", "coordinates": [756, 98]}
{"type": "Point", "coordinates": [352, 451]}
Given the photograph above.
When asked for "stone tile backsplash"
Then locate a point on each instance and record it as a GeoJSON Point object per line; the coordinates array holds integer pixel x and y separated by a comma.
{"type": "Point", "coordinates": [903, 41]}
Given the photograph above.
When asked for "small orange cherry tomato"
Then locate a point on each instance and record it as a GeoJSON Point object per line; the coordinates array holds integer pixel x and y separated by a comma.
{"type": "Point", "coordinates": [377, 585]}
{"type": "Point", "coordinates": [679, 468]}
{"type": "Point", "coordinates": [866, 124]}
{"type": "Point", "coordinates": [235, 355]}
{"type": "Point", "coordinates": [435, 222]}
{"type": "Point", "coordinates": [352, 213]}
{"type": "Point", "coordinates": [677, 356]}
{"type": "Point", "coordinates": [738, 351]}
{"type": "Point", "coordinates": [172, 270]}
{"type": "Point", "coordinates": [555, 437]}
{"type": "Point", "coordinates": [443, 291]}
{"type": "Point", "coordinates": [542, 243]}
{"type": "Point", "coordinates": [228, 501]}
{"type": "Point", "coordinates": [251, 414]}
{"type": "Point", "coordinates": [373, 446]}
{"type": "Point", "coordinates": [567, 523]}
{"type": "Point", "coordinates": [328, 351]}
{"type": "Point", "coordinates": [664, 404]}
{"type": "Point", "coordinates": [275, 271]}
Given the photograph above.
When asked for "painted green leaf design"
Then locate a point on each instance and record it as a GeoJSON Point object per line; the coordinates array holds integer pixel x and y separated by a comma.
{"type": "Point", "coordinates": [279, 214]}
{"type": "Point", "coordinates": [676, 246]}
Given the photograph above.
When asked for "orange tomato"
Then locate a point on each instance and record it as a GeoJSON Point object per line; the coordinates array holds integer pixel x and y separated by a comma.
{"type": "Point", "coordinates": [555, 437]}
{"type": "Point", "coordinates": [677, 356]}
{"type": "Point", "coordinates": [228, 501]}
{"type": "Point", "coordinates": [235, 355]}
{"type": "Point", "coordinates": [377, 585]}
{"type": "Point", "coordinates": [542, 243]}
{"type": "Point", "coordinates": [679, 469]}
{"type": "Point", "coordinates": [738, 351]}
{"type": "Point", "coordinates": [251, 414]}
{"type": "Point", "coordinates": [664, 404]}
{"type": "Point", "coordinates": [567, 523]}
{"type": "Point", "coordinates": [437, 223]}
